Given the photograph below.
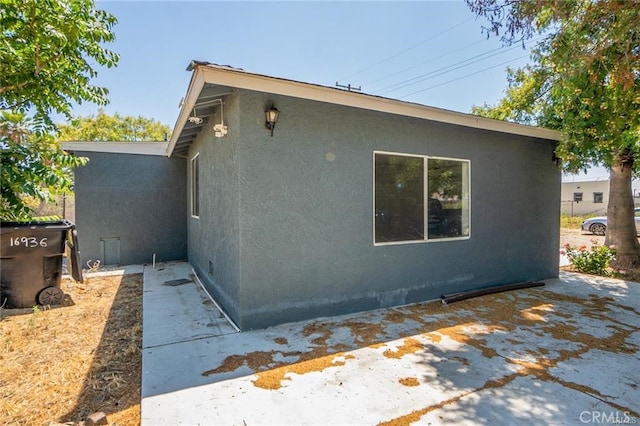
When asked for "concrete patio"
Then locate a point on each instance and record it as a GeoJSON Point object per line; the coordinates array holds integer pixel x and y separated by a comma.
{"type": "Point", "coordinates": [566, 353]}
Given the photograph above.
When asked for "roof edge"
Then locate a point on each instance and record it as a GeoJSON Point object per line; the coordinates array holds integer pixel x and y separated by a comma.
{"type": "Point", "coordinates": [136, 148]}
{"type": "Point", "coordinates": [195, 86]}
{"type": "Point", "coordinates": [223, 75]}
{"type": "Point", "coordinates": [206, 72]}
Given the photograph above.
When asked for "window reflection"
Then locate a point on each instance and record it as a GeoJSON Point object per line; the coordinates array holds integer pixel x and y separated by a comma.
{"type": "Point", "coordinates": [448, 212]}
{"type": "Point", "coordinates": [399, 205]}
{"type": "Point", "coordinates": [401, 189]}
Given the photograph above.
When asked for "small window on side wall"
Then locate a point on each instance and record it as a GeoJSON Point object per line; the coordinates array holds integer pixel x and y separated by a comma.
{"type": "Point", "coordinates": [598, 197]}
{"type": "Point", "coordinates": [195, 186]}
{"type": "Point", "coordinates": [418, 198]}
{"type": "Point", "coordinates": [577, 197]}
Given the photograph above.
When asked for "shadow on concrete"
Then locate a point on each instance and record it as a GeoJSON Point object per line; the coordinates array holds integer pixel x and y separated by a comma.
{"type": "Point", "coordinates": [538, 355]}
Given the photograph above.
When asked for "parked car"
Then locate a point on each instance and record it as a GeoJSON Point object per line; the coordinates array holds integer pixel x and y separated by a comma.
{"type": "Point", "coordinates": [598, 225]}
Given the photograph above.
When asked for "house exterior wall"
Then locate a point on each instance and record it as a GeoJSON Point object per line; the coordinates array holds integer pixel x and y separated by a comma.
{"type": "Point", "coordinates": [591, 203]}
{"type": "Point", "coordinates": [130, 207]}
{"type": "Point", "coordinates": [214, 236]}
{"type": "Point", "coordinates": [286, 221]}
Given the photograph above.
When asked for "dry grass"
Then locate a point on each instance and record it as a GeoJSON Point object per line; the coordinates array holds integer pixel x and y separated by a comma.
{"type": "Point", "coordinates": [61, 365]}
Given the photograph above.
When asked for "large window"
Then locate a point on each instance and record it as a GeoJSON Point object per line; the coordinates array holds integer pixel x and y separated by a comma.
{"type": "Point", "coordinates": [419, 198]}
{"type": "Point", "coordinates": [195, 186]}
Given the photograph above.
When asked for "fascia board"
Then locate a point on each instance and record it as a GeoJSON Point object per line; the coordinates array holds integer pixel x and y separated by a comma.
{"type": "Point", "coordinates": [140, 148]}
{"type": "Point", "coordinates": [195, 87]}
{"type": "Point", "coordinates": [262, 83]}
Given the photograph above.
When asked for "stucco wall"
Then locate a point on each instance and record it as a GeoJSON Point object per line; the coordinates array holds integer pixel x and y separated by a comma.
{"type": "Point", "coordinates": [285, 230]}
{"type": "Point", "coordinates": [132, 205]}
{"type": "Point", "coordinates": [587, 205]}
{"type": "Point", "coordinates": [214, 237]}
{"type": "Point", "coordinates": [306, 207]}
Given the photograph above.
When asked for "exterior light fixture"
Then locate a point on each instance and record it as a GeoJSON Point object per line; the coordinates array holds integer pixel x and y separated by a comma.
{"type": "Point", "coordinates": [194, 118]}
{"type": "Point", "coordinates": [220, 130]}
{"type": "Point", "coordinates": [272, 118]}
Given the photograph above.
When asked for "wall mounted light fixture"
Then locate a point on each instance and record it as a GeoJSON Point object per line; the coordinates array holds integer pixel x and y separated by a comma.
{"type": "Point", "coordinates": [272, 118]}
{"type": "Point", "coordinates": [220, 130]}
{"type": "Point", "coordinates": [194, 118]}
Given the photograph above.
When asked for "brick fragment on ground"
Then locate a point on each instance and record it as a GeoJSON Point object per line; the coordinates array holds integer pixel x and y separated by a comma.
{"type": "Point", "coordinates": [99, 418]}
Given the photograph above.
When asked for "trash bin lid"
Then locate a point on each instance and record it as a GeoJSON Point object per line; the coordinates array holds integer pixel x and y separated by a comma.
{"type": "Point", "coordinates": [47, 224]}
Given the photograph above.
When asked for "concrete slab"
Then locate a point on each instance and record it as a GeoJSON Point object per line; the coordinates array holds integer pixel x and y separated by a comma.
{"type": "Point", "coordinates": [178, 307]}
{"type": "Point", "coordinates": [515, 404]}
{"type": "Point", "coordinates": [561, 354]}
{"type": "Point", "coordinates": [611, 376]}
{"type": "Point", "coordinates": [175, 310]}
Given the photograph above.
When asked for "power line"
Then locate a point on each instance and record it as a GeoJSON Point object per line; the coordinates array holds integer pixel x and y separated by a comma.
{"type": "Point", "coordinates": [425, 62]}
{"type": "Point", "coordinates": [407, 49]}
{"type": "Point", "coordinates": [441, 71]}
{"type": "Point", "coordinates": [463, 77]}
{"type": "Point", "coordinates": [349, 87]}
{"type": "Point", "coordinates": [444, 70]}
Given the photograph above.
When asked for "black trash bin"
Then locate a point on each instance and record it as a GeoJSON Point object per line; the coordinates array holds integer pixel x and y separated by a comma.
{"type": "Point", "coordinates": [31, 262]}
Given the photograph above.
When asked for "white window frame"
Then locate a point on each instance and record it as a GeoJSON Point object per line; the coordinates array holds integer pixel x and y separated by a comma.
{"type": "Point", "coordinates": [195, 186]}
{"type": "Point", "coordinates": [425, 195]}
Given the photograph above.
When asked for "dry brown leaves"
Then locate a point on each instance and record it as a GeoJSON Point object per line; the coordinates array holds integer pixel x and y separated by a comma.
{"type": "Point", "coordinates": [536, 312]}
{"type": "Point", "coordinates": [60, 365]}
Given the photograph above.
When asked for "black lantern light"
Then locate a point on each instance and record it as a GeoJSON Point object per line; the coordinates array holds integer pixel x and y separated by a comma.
{"type": "Point", "coordinates": [272, 118]}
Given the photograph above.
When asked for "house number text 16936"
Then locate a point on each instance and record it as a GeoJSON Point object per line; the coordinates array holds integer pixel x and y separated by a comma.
{"type": "Point", "coordinates": [29, 242]}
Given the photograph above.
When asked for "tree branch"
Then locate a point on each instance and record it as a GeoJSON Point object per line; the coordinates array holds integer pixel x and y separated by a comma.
{"type": "Point", "coordinates": [13, 87]}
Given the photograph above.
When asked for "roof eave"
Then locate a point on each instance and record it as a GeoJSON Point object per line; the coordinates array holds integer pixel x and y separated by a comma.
{"type": "Point", "coordinates": [125, 147]}
{"type": "Point", "coordinates": [225, 76]}
{"type": "Point", "coordinates": [195, 87]}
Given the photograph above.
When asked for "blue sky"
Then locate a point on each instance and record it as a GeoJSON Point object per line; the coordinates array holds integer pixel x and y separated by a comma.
{"type": "Point", "coordinates": [402, 50]}
{"type": "Point", "coordinates": [429, 52]}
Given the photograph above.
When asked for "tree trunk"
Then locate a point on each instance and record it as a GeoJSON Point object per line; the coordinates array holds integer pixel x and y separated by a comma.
{"type": "Point", "coordinates": [621, 227]}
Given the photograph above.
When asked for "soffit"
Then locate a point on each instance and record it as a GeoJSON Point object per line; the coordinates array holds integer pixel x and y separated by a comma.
{"type": "Point", "coordinates": [204, 107]}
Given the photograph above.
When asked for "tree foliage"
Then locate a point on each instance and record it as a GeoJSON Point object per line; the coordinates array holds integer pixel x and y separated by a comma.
{"type": "Point", "coordinates": [584, 80]}
{"type": "Point", "coordinates": [49, 50]}
{"type": "Point", "coordinates": [585, 77]}
{"type": "Point", "coordinates": [33, 165]}
{"type": "Point", "coordinates": [104, 127]}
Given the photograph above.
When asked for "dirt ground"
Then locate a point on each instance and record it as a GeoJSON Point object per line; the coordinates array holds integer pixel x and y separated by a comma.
{"type": "Point", "coordinates": [577, 237]}
{"type": "Point", "coordinates": [61, 365]}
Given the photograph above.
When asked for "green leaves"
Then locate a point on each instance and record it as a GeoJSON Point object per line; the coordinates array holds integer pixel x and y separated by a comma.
{"type": "Point", "coordinates": [48, 53]}
{"type": "Point", "coordinates": [32, 165]}
{"type": "Point", "coordinates": [595, 260]}
{"type": "Point", "coordinates": [585, 76]}
{"type": "Point", "coordinates": [103, 127]}
{"type": "Point", "coordinates": [47, 48]}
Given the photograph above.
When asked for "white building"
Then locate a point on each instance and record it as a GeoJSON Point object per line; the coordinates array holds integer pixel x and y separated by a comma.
{"type": "Point", "coordinates": [581, 197]}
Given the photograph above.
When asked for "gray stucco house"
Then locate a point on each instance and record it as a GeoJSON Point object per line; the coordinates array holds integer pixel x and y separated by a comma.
{"type": "Point", "coordinates": [347, 202]}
